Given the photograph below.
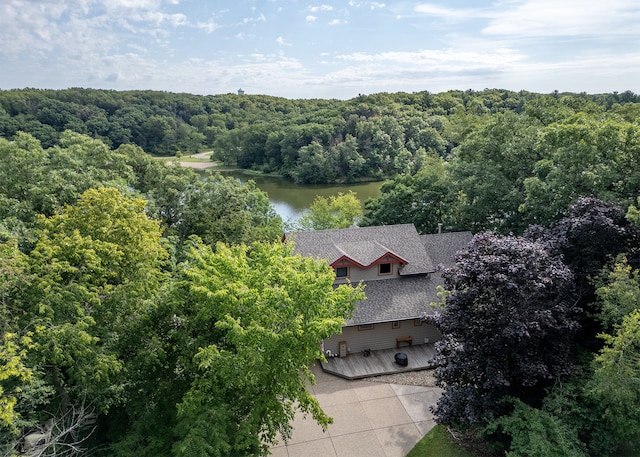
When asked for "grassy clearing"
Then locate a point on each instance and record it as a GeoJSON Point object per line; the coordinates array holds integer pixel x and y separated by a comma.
{"type": "Point", "coordinates": [438, 443]}
{"type": "Point", "coordinates": [198, 158]}
{"type": "Point", "coordinates": [191, 159]}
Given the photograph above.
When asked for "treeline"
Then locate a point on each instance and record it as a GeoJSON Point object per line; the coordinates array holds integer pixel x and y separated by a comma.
{"type": "Point", "coordinates": [141, 307]}
{"type": "Point", "coordinates": [311, 141]}
{"type": "Point", "coordinates": [510, 170]}
{"type": "Point", "coordinates": [141, 304]}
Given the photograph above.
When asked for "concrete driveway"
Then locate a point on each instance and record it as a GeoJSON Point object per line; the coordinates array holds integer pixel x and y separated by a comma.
{"type": "Point", "coordinates": [371, 419]}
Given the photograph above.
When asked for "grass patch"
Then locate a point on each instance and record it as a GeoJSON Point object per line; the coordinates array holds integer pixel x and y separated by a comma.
{"type": "Point", "coordinates": [191, 159]}
{"type": "Point", "coordinates": [200, 157]}
{"type": "Point", "coordinates": [438, 443]}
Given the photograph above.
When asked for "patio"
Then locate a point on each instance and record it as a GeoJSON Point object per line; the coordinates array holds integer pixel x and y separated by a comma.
{"type": "Point", "coordinates": [380, 362]}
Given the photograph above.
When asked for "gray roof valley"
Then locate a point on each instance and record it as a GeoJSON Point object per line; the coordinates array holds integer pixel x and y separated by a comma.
{"type": "Point", "coordinates": [405, 297]}
{"type": "Point", "coordinates": [368, 243]}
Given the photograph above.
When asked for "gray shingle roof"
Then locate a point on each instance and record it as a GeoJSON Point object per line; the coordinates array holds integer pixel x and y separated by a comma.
{"type": "Point", "coordinates": [442, 247]}
{"type": "Point", "coordinates": [396, 299]}
{"type": "Point", "coordinates": [367, 244]}
{"type": "Point", "coordinates": [409, 297]}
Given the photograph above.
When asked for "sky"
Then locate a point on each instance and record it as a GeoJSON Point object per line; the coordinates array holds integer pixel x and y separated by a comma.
{"type": "Point", "coordinates": [321, 49]}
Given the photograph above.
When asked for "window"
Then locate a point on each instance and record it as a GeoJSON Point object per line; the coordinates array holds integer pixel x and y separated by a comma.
{"type": "Point", "coordinates": [365, 327]}
{"type": "Point", "coordinates": [384, 269]}
{"type": "Point", "coordinates": [417, 322]}
{"type": "Point", "coordinates": [342, 272]}
{"type": "Point", "coordinates": [395, 324]}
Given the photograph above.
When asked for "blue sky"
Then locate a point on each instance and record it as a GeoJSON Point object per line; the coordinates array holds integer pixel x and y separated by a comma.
{"type": "Point", "coordinates": [324, 49]}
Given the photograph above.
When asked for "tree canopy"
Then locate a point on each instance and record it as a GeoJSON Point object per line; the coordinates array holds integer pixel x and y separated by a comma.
{"type": "Point", "coordinates": [339, 211]}
{"type": "Point", "coordinates": [503, 294]}
{"type": "Point", "coordinates": [151, 310]}
{"type": "Point", "coordinates": [369, 137]}
{"type": "Point", "coordinates": [230, 347]}
{"type": "Point", "coordinates": [508, 324]}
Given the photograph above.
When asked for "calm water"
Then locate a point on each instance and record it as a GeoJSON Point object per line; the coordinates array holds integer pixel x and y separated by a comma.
{"type": "Point", "coordinates": [291, 200]}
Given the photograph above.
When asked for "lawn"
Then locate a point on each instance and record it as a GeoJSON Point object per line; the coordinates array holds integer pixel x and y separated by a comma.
{"type": "Point", "coordinates": [438, 443]}
{"type": "Point", "coordinates": [195, 158]}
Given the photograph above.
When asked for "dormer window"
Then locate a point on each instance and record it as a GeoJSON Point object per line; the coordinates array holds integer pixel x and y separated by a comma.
{"type": "Point", "coordinates": [342, 272]}
{"type": "Point", "coordinates": [385, 269]}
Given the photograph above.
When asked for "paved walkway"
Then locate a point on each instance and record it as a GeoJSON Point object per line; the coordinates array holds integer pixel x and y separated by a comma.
{"type": "Point", "coordinates": [371, 419]}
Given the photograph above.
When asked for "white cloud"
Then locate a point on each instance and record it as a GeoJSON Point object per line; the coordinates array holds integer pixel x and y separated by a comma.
{"type": "Point", "coordinates": [372, 5]}
{"type": "Point", "coordinates": [209, 26]}
{"type": "Point", "coordinates": [113, 44]}
{"type": "Point", "coordinates": [259, 57]}
{"type": "Point", "coordinates": [450, 14]}
{"type": "Point", "coordinates": [568, 17]}
{"type": "Point", "coordinates": [249, 20]}
{"type": "Point", "coordinates": [81, 28]}
{"type": "Point", "coordinates": [158, 18]}
{"type": "Point", "coordinates": [444, 60]}
{"type": "Point", "coordinates": [546, 17]}
{"type": "Point", "coordinates": [317, 9]}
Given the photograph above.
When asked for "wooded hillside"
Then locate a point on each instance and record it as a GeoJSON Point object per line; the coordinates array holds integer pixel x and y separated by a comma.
{"type": "Point", "coordinates": [311, 141]}
{"type": "Point", "coordinates": [141, 305]}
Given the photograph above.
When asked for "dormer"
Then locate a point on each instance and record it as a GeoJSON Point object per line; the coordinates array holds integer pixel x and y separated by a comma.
{"type": "Point", "coordinates": [367, 253]}
{"type": "Point", "coordinates": [366, 260]}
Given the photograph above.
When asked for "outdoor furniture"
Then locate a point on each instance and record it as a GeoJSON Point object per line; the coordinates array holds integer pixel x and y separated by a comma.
{"type": "Point", "coordinates": [404, 339]}
{"type": "Point", "coordinates": [402, 359]}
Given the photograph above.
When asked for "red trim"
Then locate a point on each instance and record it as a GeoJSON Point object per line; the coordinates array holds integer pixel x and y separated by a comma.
{"type": "Point", "coordinates": [345, 261]}
{"type": "Point", "coordinates": [385, 258]}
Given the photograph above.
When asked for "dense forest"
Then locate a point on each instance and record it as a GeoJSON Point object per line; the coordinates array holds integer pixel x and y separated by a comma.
{"type": "Point", "coordinates": [142, 304]}
{"type": "Point", "coordinates": [311, 141]}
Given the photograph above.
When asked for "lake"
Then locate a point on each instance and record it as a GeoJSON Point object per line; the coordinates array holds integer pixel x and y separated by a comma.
{"type": "Point", "coordinates": [290, 200]}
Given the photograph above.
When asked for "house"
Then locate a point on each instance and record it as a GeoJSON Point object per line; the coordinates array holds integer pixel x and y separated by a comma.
{"type": "Point", "coordinates": [400, 270]}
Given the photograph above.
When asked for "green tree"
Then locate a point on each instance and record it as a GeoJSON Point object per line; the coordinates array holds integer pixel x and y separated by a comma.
{"type": "Point", "coordinates": [228, 147]}
{"type": "Point", "coordinates": [616, 385]}
{"type": "Point", "coordinates": [339, 211]}
{"type": "Point", "coordinates": [584, 155]}
{"type": "Point", "coordinates": [37, 181]}
{"type": "Point", "coordinates": [218, 208]}
{"type": "Point", "coordinates": [350, 162]}
{"type": "Point", "coordinates": [13, 373]}
{"type": "Point", "coordinates": [633, 214]}
{"type": "Point", "coordinates": [314, 165]}
{"type": "Point", "coordinates": [488, 171]}
{"type": "Point", "coordinates": [423, 199]}
{"type": "Point", "coordinates": [68, 313]}
{"type": "Point", "coordinates": [16, 345]}
{"type": "Point", "coordinates": [231, 345]}
{"type": "Point", "coordinates": [529, 431]}
{"type": "Point", "coordinates": [95, 265]}
{"type": "Point", "coordinates": [159, 134]}
{"type": "Point", "coordinates": [23, 165]}
{"type": "Point", "coordinates": [618, 293]}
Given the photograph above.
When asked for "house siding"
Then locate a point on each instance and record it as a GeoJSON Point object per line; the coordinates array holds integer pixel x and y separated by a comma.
{"type": "Point", "coordinates": [357, 274]}
{"type": "Point", "coordinates": [382, 336]}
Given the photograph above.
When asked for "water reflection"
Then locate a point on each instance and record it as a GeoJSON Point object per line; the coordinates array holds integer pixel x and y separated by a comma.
{"type": "Point", "coordinates": [290, 200]}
